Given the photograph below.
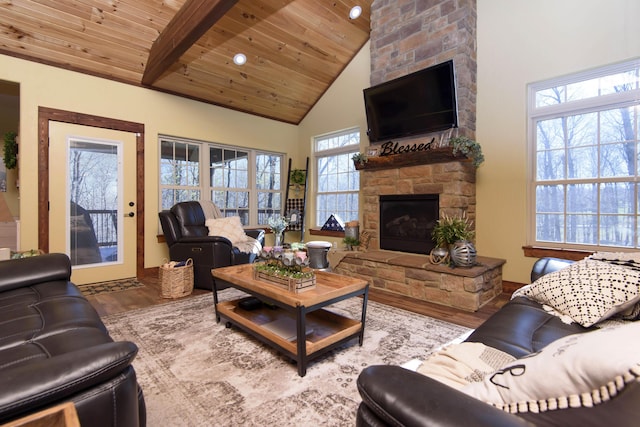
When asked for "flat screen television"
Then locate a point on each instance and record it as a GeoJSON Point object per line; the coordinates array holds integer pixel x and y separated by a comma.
{"type": "Point", "coordinates": [415, 104]}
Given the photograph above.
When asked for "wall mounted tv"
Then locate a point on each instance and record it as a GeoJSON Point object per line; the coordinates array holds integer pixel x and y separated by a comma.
{"type": "Point", "coordinates": [415, 104]}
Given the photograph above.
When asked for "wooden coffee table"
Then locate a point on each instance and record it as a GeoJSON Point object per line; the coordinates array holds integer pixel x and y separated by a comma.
{"type": "Point", "coordinates": [317, 330]}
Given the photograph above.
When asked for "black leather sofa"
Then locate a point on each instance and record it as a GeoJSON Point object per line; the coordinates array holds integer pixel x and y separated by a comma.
{"type": "Point", "coordinates": [187, 236]}
{"type": "Point", "coordinates": [395, 396]}
{"type": "Point", "coordinates": [55, 349]}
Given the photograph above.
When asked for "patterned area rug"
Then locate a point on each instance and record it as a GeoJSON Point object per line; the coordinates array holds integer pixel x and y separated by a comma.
{"type": "Point", "coordinates": [110, 286]}
{"type": "Point", "coordinates": [195, 372]}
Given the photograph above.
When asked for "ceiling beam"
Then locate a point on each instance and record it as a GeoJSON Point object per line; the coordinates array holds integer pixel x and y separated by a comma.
{"type": "Point", "coordinates": [191, 22]}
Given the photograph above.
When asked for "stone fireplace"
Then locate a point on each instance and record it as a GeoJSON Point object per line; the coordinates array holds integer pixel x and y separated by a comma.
{"type": "Point", "coordinates": [407, 221]}
{"type": "Point", "coordinates": [453, 183]}
{"type": "Point", "coordinates": [405, 37]}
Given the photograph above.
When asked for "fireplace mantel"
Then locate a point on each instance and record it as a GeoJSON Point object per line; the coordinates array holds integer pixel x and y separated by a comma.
{"type": "Point", "coordinates": [432, 156]}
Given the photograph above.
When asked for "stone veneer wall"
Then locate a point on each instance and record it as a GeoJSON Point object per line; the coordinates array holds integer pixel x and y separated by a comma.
{"type": "Point", "coordinates": [408, 36]}
{"type": "Point", "coordinates": [455, 182]}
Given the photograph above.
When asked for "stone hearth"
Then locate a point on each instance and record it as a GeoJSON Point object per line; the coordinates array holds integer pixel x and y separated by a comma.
{"type": "Point", "coordinates": [414, 276]}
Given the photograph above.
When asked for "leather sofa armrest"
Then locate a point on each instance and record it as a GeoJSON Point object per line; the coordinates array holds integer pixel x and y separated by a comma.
{"type": "Point", "coordinates": [18, 273]}
{"type": "Point", "coordinates": [401, 397]}
{"type": "Point", "coordinates": [547, 265]}
{"type": "Point", "coordinates": [37, 383]}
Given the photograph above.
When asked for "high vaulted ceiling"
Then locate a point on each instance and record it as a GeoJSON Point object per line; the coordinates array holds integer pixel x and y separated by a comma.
{"type": "Point", "coordinates": [295, 49]}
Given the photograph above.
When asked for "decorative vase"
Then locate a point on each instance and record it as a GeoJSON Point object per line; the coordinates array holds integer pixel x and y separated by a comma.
{"type": "Point", "coordinates": [463, 253]}
{"type": "Point", "coordinates": [439, 256]}
{"type": "Point", "coordinates": [278, 238]}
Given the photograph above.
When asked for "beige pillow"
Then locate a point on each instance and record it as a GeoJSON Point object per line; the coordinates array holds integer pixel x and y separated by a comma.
{"type": "Point", "coordinates": [588, 291]}
{"type": "Point", "coordinates": [229, 227]}
{"type": "Point", "coordinates": [580, 370]}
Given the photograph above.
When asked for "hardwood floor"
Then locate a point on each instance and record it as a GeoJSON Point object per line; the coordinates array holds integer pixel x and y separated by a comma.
{"type": "Point", "coordinates": [149, 295]}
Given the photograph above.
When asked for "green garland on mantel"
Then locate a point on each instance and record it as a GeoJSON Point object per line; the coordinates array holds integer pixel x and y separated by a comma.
{"type": "Point", "coordinates": [10, 150]}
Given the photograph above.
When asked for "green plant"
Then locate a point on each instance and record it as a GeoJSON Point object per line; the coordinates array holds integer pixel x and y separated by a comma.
{"type": "Point", "coordinates": [450, 229]}
{"type": "Point", "coordinates": [351, 241]}
{"type": "Point", "coordinates": [298, 176]}
{"type": "Point", "coordinates": [467, 147]}
{"type": "Point", "coordinates": [359, 158]}
{"type": "Point", "coordinates": [10, 150]}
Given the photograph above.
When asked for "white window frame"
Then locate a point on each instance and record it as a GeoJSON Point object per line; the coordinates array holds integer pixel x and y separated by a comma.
{"type": "Point", "coordinates": [320, 153]}
{"type": "Point", "coordinates": [204, 187]}
{"type": "Point", "coordinates": [594, 104]}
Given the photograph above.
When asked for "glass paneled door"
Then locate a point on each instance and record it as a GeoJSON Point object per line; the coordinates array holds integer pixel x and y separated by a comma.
{"type": "Point", "coordinates": [92, 201]}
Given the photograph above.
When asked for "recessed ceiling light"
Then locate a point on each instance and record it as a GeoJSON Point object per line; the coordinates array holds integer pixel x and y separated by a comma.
{"type": "Point", "coordinates": [240, 59]}
{"type": "Point", "coordinates": [355, 12]}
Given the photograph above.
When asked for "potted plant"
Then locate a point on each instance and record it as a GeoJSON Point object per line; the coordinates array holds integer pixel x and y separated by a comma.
{"type": "Point", "coordinates": [351, 242]}
{"type": "Point", "coordinates": [468, 148]}
{"type": "Point", "coordinates": [456, 234]}
{"type": "Point", "coordinates": [359, 159]}
{"type": "Point", "coordinates": [10, 150]}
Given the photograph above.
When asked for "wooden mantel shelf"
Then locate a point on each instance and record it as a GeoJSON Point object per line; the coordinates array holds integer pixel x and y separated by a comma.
{"type": "Point", "coordinates": [434, 155]}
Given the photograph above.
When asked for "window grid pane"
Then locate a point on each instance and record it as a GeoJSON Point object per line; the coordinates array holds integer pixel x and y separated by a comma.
{"type": "Point", "coordinates": [237, 178]}
{"type": "Point", "coordinates": [587, 163]}
{"type": "Point", "coordinates": [338, 182]}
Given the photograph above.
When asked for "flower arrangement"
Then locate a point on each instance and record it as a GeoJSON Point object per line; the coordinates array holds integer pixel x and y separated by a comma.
{"type": "Point", "coordinates": [283, 264]}
{"type": "Point", "coordinates": [277, 223]}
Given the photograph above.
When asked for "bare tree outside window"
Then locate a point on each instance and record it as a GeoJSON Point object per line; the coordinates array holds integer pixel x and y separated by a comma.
{"type": "Point", "coordinates": [93, 192]}
{"type": "Point", "coordinates": [338, 182]}
{"type": "Point", "coordinates": [586, 159]}
{"type": "Point", "coordinates": [241, 182]}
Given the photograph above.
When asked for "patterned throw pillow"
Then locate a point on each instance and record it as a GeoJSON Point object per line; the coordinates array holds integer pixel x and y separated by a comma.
{"type": "Point", "coordinates": [229, 227]}
{"type": "Point", "coordinates": [588, 291]}
{"type": "Point", "coordinates": [580, 370]}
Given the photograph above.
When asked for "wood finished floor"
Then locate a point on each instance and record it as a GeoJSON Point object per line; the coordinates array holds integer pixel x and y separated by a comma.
{"type": "Point", "coordinates": [149, 295]}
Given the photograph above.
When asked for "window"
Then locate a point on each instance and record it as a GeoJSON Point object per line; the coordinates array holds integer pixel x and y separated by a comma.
{"type": "Point", "coordinates": [338, 182]}
{"type": "Point", "coordinates": [241, 182]}
{"type": "Point", "coordinates": [586, 164]}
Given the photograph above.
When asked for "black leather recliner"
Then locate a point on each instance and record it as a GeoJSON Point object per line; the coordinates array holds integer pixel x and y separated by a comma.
{"type": "Point", "coordinates": [187, 236]}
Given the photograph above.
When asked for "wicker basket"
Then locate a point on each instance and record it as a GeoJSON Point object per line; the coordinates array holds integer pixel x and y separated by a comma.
{"type": "Point", "coordinates": [176, 282]}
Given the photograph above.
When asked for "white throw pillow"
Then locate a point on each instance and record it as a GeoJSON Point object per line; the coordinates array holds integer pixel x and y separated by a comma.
{"type": "Point", "coordinates": [229, 227]}
{"type": "Point", "coordinates": [577, 370]}
{"type": "Point", "coordinates": [588, 291]}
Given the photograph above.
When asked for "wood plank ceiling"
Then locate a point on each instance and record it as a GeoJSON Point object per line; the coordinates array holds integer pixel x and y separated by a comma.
{"type": "Point", "coordinates": [295, 49]}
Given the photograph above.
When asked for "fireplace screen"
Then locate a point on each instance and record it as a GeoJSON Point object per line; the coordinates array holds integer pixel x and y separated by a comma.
{"type": "Point", "coordinates": [407, 221]}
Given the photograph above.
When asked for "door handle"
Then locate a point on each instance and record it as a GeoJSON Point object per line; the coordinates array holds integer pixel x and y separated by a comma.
{"type": "Point", "coordinates": [130, 215]}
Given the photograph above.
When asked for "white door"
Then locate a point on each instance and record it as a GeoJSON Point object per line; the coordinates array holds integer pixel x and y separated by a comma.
{"type": "Point", "coordinates": [92, 205]}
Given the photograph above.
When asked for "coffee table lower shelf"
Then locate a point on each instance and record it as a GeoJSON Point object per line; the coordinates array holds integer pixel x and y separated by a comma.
{"type": "Point", "coordinates": [328, 329]}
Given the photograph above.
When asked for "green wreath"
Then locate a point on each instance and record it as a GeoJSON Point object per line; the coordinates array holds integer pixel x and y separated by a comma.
{"type": "Point", "coordinates": [10, 150]}
{"type": "Point", "coordinates": [298, 176]}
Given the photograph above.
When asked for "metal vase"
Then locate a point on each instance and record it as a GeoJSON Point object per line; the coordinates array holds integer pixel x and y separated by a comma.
{"type": "Point", "coordinates": [463, 253]}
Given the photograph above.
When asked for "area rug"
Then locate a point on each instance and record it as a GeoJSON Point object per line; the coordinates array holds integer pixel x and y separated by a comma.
{"type": "Point", "coordinates": [195, 372]}
{"type": "Point", "coordinates": [109, 286]}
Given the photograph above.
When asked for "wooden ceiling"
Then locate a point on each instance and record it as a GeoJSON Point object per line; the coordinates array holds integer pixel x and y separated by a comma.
{"type": "Point", "coordinates": [295, 49]}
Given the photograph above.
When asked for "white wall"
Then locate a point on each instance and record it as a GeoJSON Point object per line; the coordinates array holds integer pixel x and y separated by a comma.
{"type": "Point", "coordinates": [520, 42]}
{"type": "Point", "coordinates": [341, 107]}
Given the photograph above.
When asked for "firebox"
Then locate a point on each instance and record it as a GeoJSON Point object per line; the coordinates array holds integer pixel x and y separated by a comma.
{"type": "Point", "coordinates": [407, 221]}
